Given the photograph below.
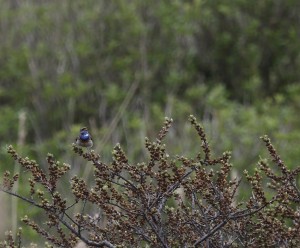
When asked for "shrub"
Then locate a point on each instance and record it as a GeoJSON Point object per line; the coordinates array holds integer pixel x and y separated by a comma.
{"type": "Point", "coordinates": [166, 201]}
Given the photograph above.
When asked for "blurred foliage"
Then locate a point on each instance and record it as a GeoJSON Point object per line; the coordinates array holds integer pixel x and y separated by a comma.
{"type": "Point", "coordinates": [119, 67]}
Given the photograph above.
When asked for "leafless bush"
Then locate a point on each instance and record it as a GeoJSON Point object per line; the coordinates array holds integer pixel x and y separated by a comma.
{"type": "Point", "coordinates": [164, 202]}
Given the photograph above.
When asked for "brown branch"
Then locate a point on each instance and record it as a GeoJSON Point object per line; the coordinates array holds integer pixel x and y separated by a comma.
{"type": "Point", "coordinates": [103, 243]}
{"type": "Point", "coordinates": [211, 232]}
{"type": "Point", "coordinates": [154, 228]}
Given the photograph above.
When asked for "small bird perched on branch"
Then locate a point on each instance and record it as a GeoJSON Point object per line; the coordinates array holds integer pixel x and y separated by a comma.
{"type": "Point", "coordinates": [84, 139]}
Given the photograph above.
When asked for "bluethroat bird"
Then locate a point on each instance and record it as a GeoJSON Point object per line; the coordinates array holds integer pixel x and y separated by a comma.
{"type": "Point", "coordinates": [84, 139]}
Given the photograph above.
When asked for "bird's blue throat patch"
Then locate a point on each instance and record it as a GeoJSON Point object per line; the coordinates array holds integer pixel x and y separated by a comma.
{"type": "Point", "coordinates": [84, 135]}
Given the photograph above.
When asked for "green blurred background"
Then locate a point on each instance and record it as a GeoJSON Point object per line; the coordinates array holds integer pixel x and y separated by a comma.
{"type": "Point", "coordinates": [120, 66]}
